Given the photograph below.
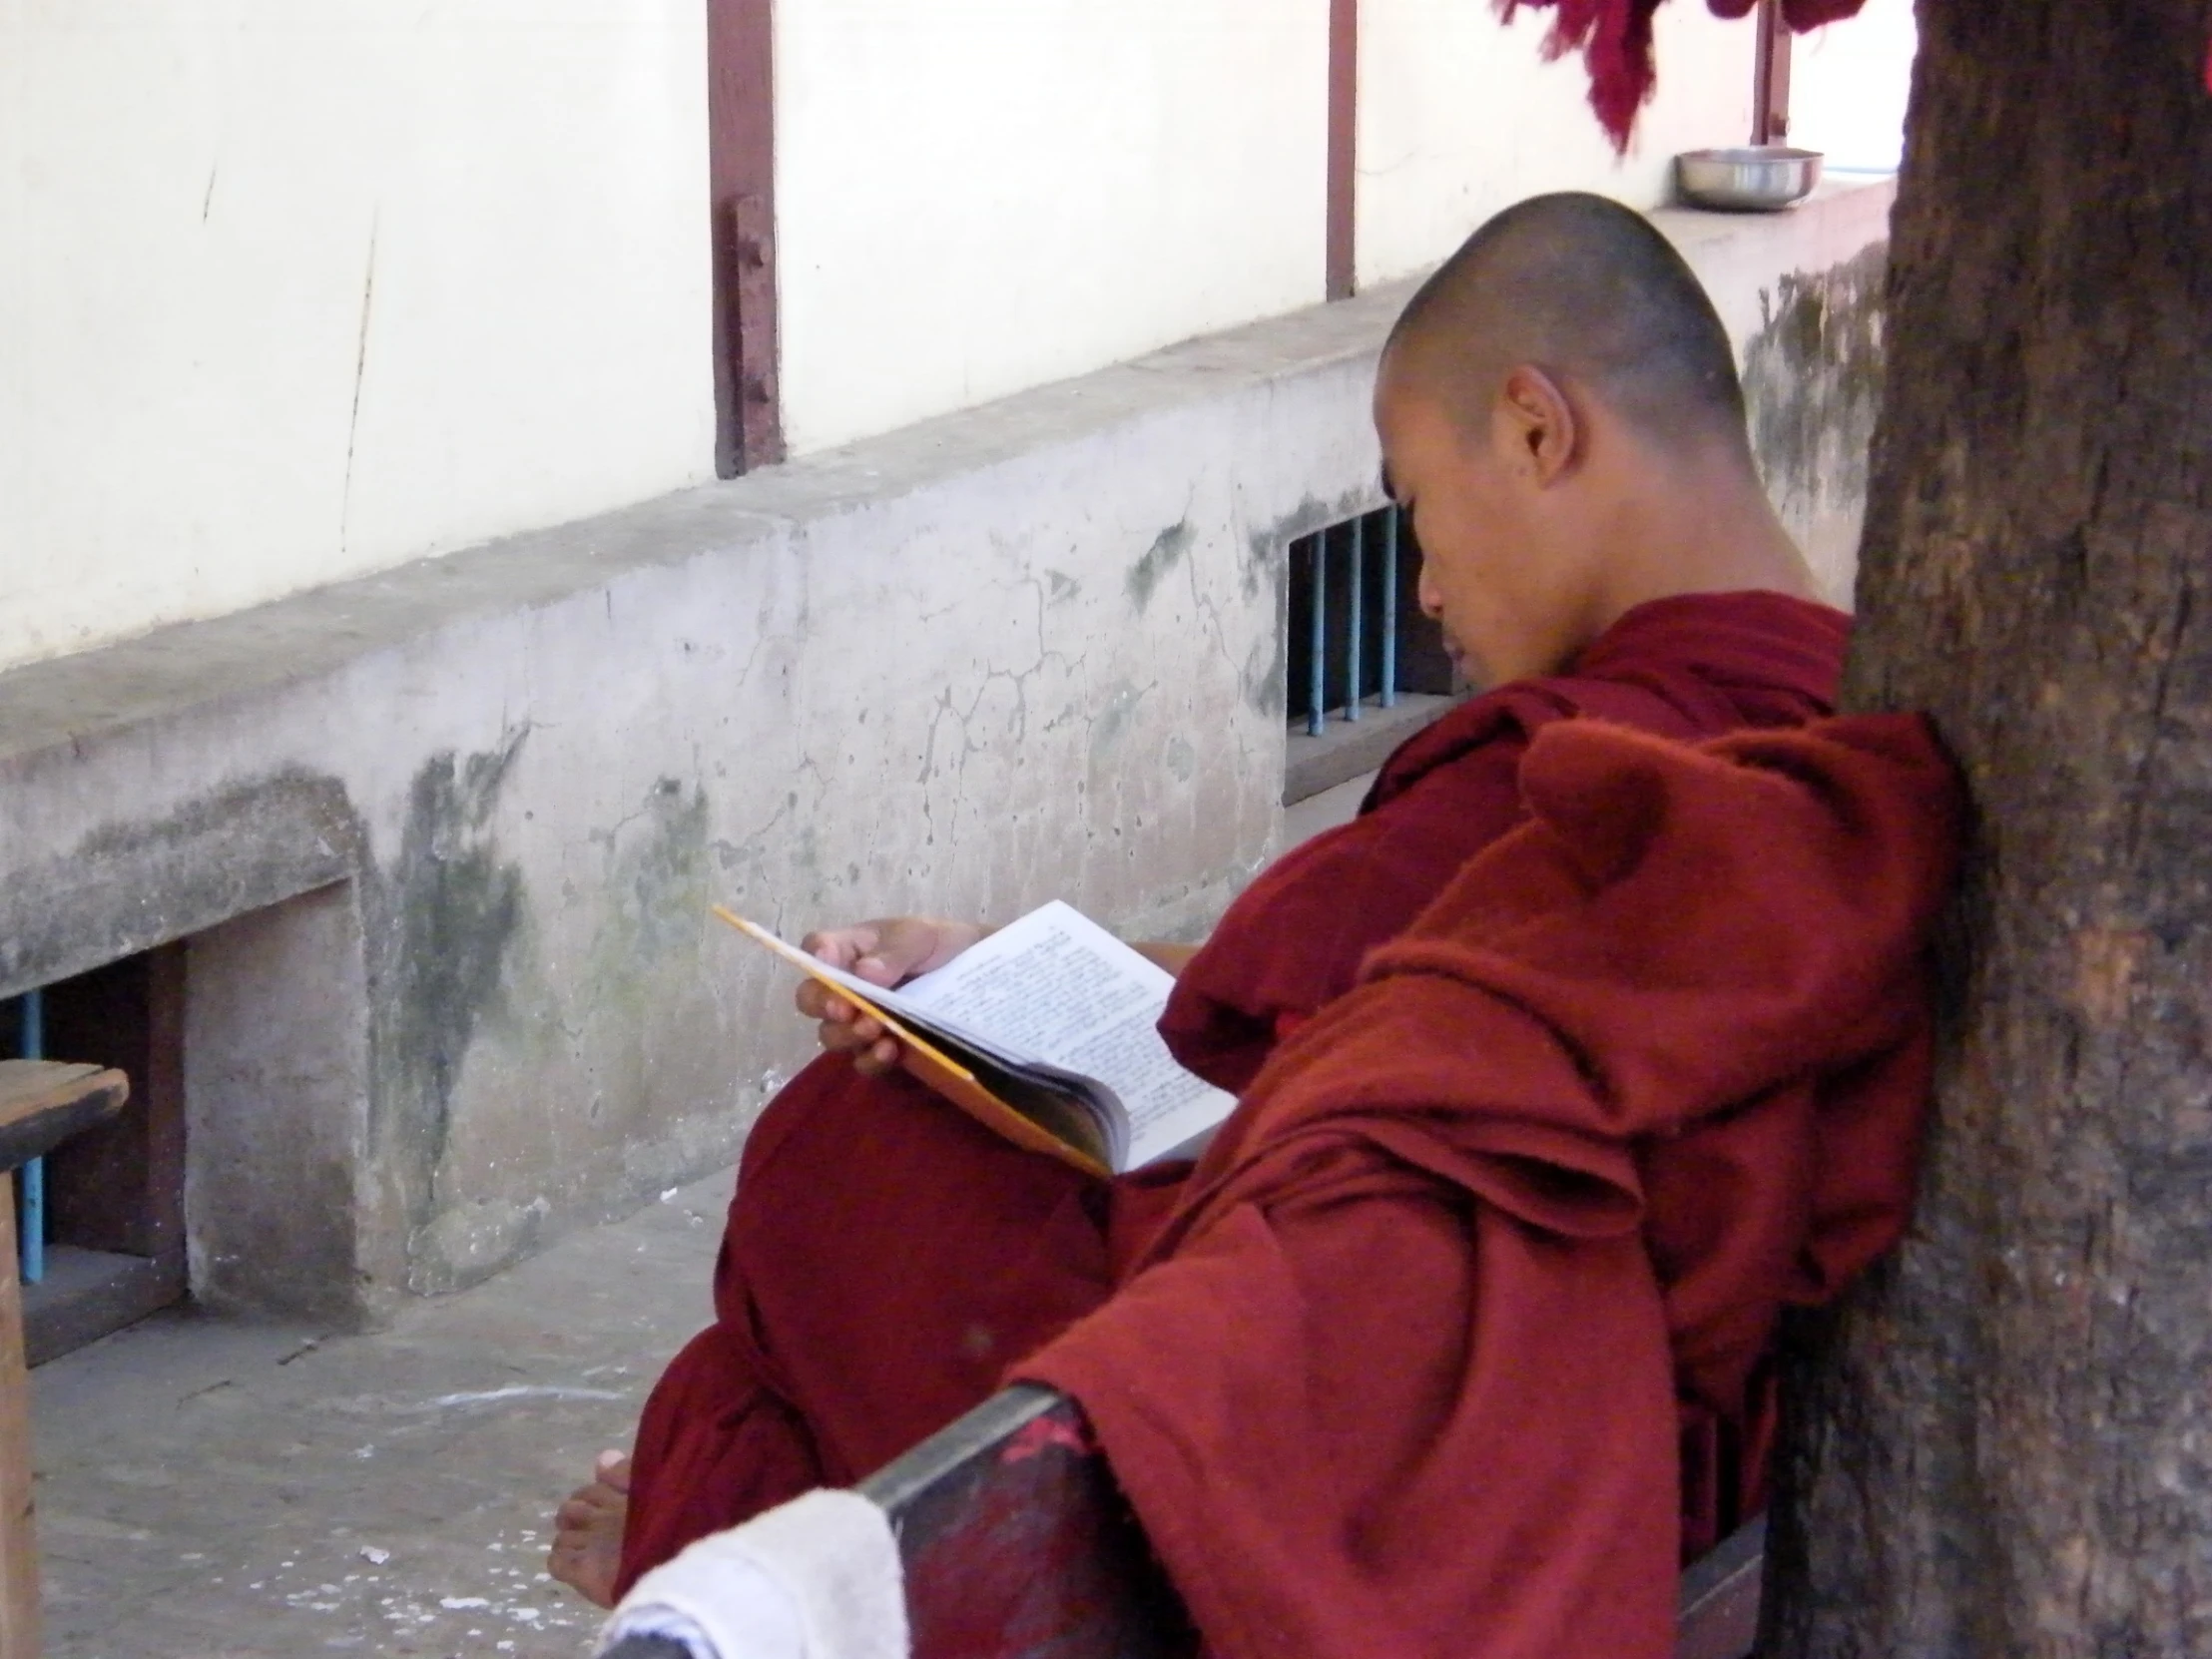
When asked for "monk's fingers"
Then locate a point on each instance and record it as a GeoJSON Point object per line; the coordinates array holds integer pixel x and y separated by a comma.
{"type": "Point", "coordinates": [907, 945]}
{"type": "Point", "coordinates": [839, 1037]}
{"type": "Point", "coordinates": [843, 946]}
{"type": "Point", "coordinates": [892, 949]}
{"type": "Point", "coordinates": [855, 1034]}
{"type": "Point", "coordinates": [613, 1470]}
{"type": "Point", "coordinates": [879, 1057]}
{"type": "Point", "coordinates": [819, 1001]}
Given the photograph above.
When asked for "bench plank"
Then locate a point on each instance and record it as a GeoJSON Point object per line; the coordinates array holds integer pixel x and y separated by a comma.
{"type": "Point", "coordinates": [1719, 1610]}
{"type": "Point", "coordinates": [44, 1102]}
{"type": "Point", "coordinates": [1017, 1544]}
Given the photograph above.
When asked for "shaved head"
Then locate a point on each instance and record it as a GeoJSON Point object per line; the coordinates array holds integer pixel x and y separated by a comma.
{"type": "Point", "coordinates": [1588, 292]}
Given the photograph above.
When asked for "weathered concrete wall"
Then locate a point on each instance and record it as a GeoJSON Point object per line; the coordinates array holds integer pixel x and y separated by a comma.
{"type": "Point", "coordinates": [1813, 379]}
{"type": "Point", "coordinates": [1024, 652]}
{"type": "Point", "coordinates": [1807, 333]}
{"type": "Point", "coordinates": [282, 1209]}
{"type": "Point", "coordinates": [445, 836]}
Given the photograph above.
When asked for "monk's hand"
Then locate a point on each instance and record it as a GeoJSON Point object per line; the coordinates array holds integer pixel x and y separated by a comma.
{"type": "Point", "coordinates": [889, 952]}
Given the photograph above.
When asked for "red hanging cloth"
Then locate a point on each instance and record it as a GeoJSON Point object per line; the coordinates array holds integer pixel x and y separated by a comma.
{"type": "Point", "coordinates": [1614, 38]}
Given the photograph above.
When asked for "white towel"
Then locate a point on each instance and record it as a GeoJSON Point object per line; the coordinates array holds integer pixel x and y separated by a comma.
{"type": "Point", "coordinates": [816, 1578]}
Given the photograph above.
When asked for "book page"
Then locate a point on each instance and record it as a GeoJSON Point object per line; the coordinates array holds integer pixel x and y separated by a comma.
{"type": "Point", "coordinates": [1057, 985]}
{"type": "Point", "coordinates": [1055, 991]}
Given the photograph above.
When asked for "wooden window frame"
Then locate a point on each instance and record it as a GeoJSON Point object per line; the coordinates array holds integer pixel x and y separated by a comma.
{"type": "Point", "coordinates": [740, 122]}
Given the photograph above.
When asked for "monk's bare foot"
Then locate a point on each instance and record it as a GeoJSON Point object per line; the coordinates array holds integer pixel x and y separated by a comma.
{"type": "Point", "coordinates": [587, 1531]}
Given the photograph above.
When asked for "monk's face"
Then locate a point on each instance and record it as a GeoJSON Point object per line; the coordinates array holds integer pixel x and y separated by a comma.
{"type": "Point", "coordinates": [1494, 569]}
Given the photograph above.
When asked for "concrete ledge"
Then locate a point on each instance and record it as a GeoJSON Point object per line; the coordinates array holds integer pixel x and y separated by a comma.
{"type": "Point", "coordinates": [159, 674]}
{"type": "Point", "coordinates": [1737, 255]}
{"type": "Point", "coordinates": [1349, 749]}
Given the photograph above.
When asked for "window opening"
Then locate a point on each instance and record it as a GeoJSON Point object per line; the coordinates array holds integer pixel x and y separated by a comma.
{"type": "Point", "coordinates": [1363, 667]}
{"type": "Point", "coordinates": [101, 1215]}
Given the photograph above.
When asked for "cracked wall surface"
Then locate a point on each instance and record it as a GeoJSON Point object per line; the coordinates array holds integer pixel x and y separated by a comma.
{"type": "Point", "coordinates": [482, 803]}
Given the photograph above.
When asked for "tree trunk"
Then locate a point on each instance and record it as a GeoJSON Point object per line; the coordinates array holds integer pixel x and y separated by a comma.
{"type": "Point", "coordinates": [2004, 1447]}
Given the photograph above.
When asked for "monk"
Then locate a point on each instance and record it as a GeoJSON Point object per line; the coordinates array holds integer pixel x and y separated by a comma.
{"type": "Point", "coordinates": [1403, 1372]}
{"type": "Point", "coordinates": [1559, 412]}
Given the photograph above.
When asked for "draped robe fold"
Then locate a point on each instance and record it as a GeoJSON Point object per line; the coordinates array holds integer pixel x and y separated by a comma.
{"type": "Point", "coordinates": [1399, 1373]}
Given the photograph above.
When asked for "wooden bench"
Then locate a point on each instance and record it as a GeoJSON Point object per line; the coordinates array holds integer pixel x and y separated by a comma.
{"type": "Point", "coordinates": [1018, 1545]}
{"type": "Point", "coordinates": [42, 1104]}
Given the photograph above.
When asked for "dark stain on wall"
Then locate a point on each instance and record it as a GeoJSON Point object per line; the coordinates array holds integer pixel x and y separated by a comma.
{"type": "Point", "coordinates": [1813, 379]}
{"type": "Point", "coordinates": [661, 878]}
{"type": "Point", "coordinates": [453, 911]}
{"type": "Point", "coordinates": [1165, 553]}
{"type": "Point", "coordinates": [1260, 678]}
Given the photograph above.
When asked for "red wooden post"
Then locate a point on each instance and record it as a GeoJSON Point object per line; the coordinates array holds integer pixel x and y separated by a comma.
{"type": "Point", "coordinates": [741, 121]}
{"type": "Point", "coordinates": [1343, 145]}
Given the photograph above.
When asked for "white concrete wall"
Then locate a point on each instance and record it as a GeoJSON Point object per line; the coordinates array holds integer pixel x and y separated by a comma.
{"type": "Point", "coordinates": [295, 290]}
{"type": "Point", "coordinates": [1848, 86]}
{"type": "Point", "coordinates": [977, 195]}
{"type": "Point", "coordinates": [1459, 116]}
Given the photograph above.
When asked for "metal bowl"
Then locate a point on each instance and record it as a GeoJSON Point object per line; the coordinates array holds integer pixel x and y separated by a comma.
{"type": "Point", "coordinates": [1758, 178]}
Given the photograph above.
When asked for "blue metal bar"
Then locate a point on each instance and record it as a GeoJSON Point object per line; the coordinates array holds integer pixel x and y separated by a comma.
{"type": "Point", "coordinates": [1391, 514]}
{"type": "Point", "coordinates": [1352, 619]}
{"type": "Point", "coordinates": [1316, 671]}
{"type": "Point", "coordinates": [32, 1197]}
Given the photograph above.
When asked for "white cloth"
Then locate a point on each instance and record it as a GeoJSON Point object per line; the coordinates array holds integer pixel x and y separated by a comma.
{"type": "Point", "coordinates": [816, 1578]}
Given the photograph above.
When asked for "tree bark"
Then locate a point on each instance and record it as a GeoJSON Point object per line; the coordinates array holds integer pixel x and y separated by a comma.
{"type": "Point", "coordinates": [2004, 1446]}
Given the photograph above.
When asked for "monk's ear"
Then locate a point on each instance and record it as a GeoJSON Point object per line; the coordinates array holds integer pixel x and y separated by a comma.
{"type": "Point", "coordinates": [1538, 425]}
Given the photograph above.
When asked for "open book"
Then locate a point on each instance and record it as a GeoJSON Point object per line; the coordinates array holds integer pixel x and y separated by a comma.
{"type": "Point", "coordinates": [1044, 1031]}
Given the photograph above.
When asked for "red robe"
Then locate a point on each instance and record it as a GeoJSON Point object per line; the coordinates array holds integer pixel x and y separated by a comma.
{"type": "Point", "coordinates": [886, 1259]}
{"type": "Point", "coordinates": [1399, 1374]}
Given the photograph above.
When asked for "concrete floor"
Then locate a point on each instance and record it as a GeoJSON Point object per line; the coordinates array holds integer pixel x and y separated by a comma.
{"type": "Point", "coordinates": [212, 1490]}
